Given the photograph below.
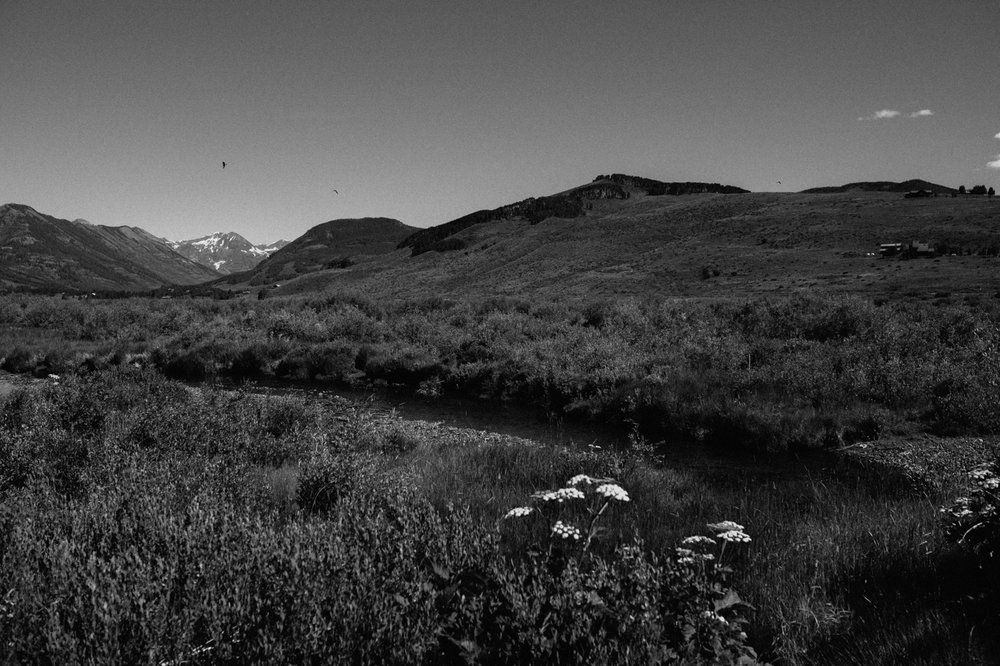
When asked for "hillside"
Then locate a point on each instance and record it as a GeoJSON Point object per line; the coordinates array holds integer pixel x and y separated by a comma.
{"type": "Point", "coordinates": [884, 186]}
{"type": "Point", "coordinates": [570, 203]}
{"type": "Point", "coordinates": [43, 252]}
{"type": "Point", "coordinates": [226, 253]}
{"type": "Point", "coordinates": [704, 245]}
{"type": "Point", "coordinates": [333, 244]}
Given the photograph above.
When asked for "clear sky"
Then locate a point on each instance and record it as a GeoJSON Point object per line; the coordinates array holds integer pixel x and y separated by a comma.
{"type": "Point", "coordinates": [123, 112]}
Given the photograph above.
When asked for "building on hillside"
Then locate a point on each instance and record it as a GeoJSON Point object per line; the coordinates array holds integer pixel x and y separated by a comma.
{"type": "Point", "coordinates": [907, 250]}
{"type": "Point", "coordinates": [919, 194]}
{"type": "Point", "coordinates": [889, 249]}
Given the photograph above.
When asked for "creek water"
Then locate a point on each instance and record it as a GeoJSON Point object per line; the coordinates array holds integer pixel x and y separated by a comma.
{"type": "Point", "coordinates": [520, 421]}
{"type": "Point", "coordinates": [536, 424]}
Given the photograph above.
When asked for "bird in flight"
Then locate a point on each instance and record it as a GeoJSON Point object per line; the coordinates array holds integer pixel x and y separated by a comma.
{"type": "Point", "coordinates": [336, 192]}
{"type": "Point", "coordinates": [223, 165]}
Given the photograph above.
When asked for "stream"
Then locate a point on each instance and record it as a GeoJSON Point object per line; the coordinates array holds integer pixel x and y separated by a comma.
{"type": "Point", "coordinates": [520, 421]}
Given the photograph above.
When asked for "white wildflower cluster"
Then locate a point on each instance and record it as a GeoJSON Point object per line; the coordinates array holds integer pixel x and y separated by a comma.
{"type": "Point", "coordinates": [729, 532]}
{"type": "Point", "coordinates": [985, 478]}
{"type": "Point", "coordinates": [519, 512]}
{"type": "Point", "coordinates": [566, 531]}
{"type": "Point", "coordinates": [688, 556]}
{"type": "Point", "coordinates": [734, 536]}
{"type": "Point", "coordinates": [613, 491]}
{"type": "Point", "coordinates": [975, 520]}
{"type": "Point", "coordinates": [583, 478]}
{"type": "Point", "coordinates": [560, 495]}
{"type": "Point", "coordinates": [698, 541]}
{"type": "Point", "coordinates": [712, 616]}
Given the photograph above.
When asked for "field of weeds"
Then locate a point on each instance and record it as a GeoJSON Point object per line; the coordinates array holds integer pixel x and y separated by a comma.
{"type": "Point", "coordinates": [787, 373]}
{"type": "Point", "coordinates": [147, 522]}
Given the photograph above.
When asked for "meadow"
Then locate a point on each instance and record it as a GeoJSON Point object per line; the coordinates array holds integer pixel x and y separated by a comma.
{"type": "Point", "coordinates": [146, 521]}
{"type": "Point", "coordinates": [782, 373]}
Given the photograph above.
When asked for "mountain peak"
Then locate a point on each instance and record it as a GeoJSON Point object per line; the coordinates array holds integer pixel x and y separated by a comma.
{"type": "Point", "coordinates": [225, 251]}
{"type": "Point", "coordinates": [42, 251]}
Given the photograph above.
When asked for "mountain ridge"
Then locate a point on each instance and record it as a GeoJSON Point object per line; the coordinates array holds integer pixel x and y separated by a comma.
{"type": "Point", "coordinates": [334, 244]}
{"type": "Point", "coordinates": [44, 252]}
{"type": "Point", "coordinates": [566, 204]}
{"type": "Point", "coordinates": [225, 251]}
{"type": "Point", "coordinates": [884, 186]}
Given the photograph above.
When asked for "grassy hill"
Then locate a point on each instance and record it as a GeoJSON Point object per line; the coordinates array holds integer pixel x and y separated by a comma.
{"type": "Point", "coordinates": [885, 186]}
{"type": "Point", "coordinates": [568, 204]}
{"type": "Point", "coordinates": [703, 245]}
{"type": "Point", "coordinates": [334, 244]}
{"type": "Point", "coordinates": [41, 251]}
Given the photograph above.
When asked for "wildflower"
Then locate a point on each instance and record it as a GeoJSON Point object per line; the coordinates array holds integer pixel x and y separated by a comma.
{"type": "Point", "coordinates": [519, 512]}
{"type": "Point", "coordinates": [565, 531]}
{"type": "Point", "coordinates": [581, 478]}
{"type": "Point", "coordinates": [725, 526]}
{"type": "Point", "coordinates": [735, 536]}
{"type": "Point", "coordinates": [981, 474]}
{"type": "Point", "coordinates": [698, 541]}
{"type": "Point", "coordinates": [714, 617]}
{"type": "Point", "coordinates": [991, 483]}
{"type": "Point", "coordinates": [560, 495]}
{"type": "Point", "coordinates": [613, 491]}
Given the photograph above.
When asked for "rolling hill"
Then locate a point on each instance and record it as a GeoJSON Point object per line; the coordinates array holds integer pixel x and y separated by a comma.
{"type": "Point", "coordinates": [226, 253]}
{"type": "Point", "coordinates": [333, 244]}
{"type": "Point", "coordinates": [570, 203]}
{"type": "Point", "coordinates": [884, 186]}
{"type": "Point", "coordinates": [625, 241]}
{"type": "Point", "coordinates": [43, 252]}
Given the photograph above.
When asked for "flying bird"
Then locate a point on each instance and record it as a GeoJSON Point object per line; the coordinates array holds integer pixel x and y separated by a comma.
{"type": "Point", "coordinates": [336, 192]}
{"type": "Point", "coordinates": [223, 165]}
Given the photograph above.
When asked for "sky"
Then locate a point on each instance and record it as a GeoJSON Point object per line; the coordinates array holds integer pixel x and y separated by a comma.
{"type": "Point", "coordinates": [122, 113]}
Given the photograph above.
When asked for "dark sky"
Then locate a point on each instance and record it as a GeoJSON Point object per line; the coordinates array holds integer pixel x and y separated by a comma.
{"type": "Point", "coordinates": [122, 112]}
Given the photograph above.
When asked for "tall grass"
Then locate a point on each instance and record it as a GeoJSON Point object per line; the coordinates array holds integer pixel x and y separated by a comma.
{"type": "Point", "coordinates": [787, 373]}
{"type": "Point", "coordinates": [277, 527]}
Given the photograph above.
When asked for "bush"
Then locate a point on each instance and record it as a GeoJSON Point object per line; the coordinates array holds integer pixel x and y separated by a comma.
{"type": "Point", "coordinates": [330, 475]}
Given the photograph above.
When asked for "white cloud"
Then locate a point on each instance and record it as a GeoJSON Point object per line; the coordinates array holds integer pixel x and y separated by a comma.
{"type": "Point", "coordinates": [885, 114]}
{"type": "Point", "coordinates": [997, 136]}
{"type": "Point", "coordinates": [995, 164]}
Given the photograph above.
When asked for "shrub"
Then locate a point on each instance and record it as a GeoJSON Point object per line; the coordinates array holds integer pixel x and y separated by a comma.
{"type": "Point", "coordinates": [331, 474]}
{"type": "Point", "coordinates": [974, 521]}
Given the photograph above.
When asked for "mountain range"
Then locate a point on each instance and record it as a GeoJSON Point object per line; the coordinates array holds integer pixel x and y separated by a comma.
{"type": "Point", "coordinates": [613, 236]}
{"type": "Point", "coordinates": [44, 252]}
{"type": "Point", "coordinates": [225, 252]}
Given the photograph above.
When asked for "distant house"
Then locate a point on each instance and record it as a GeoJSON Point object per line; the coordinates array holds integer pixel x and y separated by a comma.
{"type": "Point", "coordinates": [911, 249]}
{"type": "Point", "coordinates": [918, 194]}
{"type": "Point", "coordinates": [889, 249]}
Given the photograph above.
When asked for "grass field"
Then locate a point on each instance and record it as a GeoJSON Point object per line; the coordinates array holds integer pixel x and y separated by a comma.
{"type": "Point", "coordinates": [165, 520]}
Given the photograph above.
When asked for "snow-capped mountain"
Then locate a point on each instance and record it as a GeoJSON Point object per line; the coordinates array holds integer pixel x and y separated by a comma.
{"type": "Point", "coordinates": [225, 252]}
{"type": "Point", "coordinates": [39, 251]}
